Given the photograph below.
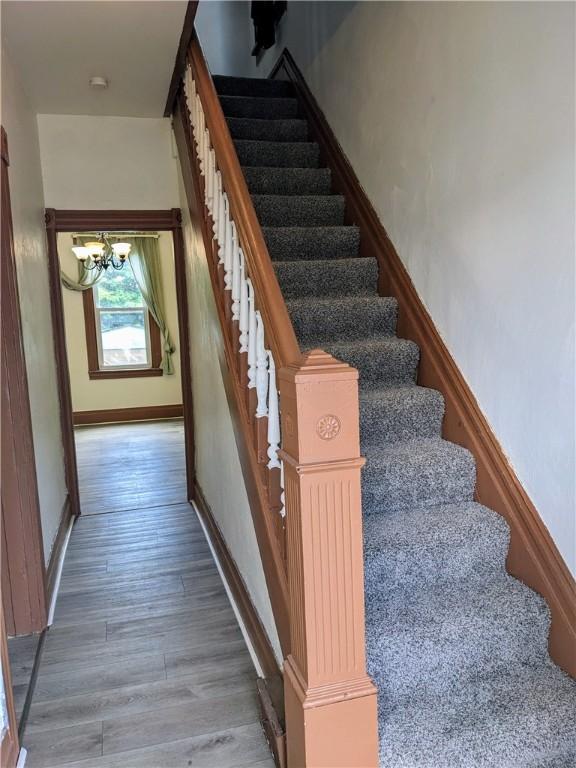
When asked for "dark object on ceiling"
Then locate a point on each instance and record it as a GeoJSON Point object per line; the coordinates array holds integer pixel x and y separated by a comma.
{"type": "Point", "coordinates": [265, 16]}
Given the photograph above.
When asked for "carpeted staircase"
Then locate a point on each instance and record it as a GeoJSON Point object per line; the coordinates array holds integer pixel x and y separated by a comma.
{"type": "Point", "coordinates": [457, 648]}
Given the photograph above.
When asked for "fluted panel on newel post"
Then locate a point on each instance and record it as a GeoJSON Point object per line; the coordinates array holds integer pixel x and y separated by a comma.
{"type": "Point", "coordinates": [331, 713]}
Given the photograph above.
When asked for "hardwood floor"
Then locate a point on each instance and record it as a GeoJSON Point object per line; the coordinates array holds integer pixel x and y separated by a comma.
{"type": "Point", "coordinates": [145, 666]}
{"type": "Point", "coordinates": [140, 471]}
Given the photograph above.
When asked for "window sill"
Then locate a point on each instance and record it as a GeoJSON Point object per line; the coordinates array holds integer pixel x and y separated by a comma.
{"type": "Point", "coordinates": [128, 373]}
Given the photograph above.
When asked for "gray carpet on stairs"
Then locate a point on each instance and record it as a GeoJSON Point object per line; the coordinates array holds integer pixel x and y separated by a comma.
{"type": "Point", "coordinates": [457, 648]}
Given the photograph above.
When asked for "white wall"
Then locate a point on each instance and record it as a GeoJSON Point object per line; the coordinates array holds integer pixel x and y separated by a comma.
{"type": "Point", "coordinates": [30, 247]}
{"type": "Point", "coordinates": [459, 120]}
{"type": "Point", "coordinates": [225, 33]}
{"type": "Point", "coordinates": [107, 162]}
{"type": "Point", "coordinates": [218, 469]}
{"type": "Point", "coordinates": [103, 394]}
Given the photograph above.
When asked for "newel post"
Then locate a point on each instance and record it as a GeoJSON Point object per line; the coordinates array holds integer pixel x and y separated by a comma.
{"type": "Point", "coordinates": [331, 713]}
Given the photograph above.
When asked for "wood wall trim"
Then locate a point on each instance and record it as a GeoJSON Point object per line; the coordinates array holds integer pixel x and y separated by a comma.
{"type": "Point", "coordinates": [533, 556]}
{"type": "Point", "coordinates": [23, 572]}
{"type": "Point", "coordinates": [185, 366]}
{"type": "Point", "coordinates": [9, 747]}
{"type": "Point", "coordinates": [110, 221]}
{"type": "Point", "coordinates": [62, 368]}
{"type": "Point", "coordinates": [254, 626]}
{"type": "Point", "coordinates": [180, 62]}
{"type": "Point", "coordinates": [113, 415]}
{"type": "Point", "coordinates": [272, 561]}
{"type": "Point", "coordinates": [56, 554]}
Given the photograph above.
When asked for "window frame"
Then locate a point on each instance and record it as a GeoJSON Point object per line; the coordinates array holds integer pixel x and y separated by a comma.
{"type": "Point", "coordinates": [95, 370]}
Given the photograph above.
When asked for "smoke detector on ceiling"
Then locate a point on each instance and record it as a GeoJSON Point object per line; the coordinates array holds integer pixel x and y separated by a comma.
{"type": "Point", "coordinates": [98, 82]}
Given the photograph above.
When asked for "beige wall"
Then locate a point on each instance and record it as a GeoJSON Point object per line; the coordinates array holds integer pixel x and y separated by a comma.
{"type": "Point", "coordinates": [94, 395]}
{"type": "Point", "coordinates": [30, 246]}
{"type": "Point", "coordinates": [107, 162]}
{"type": "Point", "coordinates": [218, 469]}
{"type": "Point", "coordinates": [459, 120]}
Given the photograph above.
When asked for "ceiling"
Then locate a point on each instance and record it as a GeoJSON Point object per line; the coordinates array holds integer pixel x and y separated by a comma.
{"type": "Point", "coordinates": [57, 45]}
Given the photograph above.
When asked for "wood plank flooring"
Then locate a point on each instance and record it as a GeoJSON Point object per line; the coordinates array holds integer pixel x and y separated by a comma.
{"type": "Point", "coordinates": [142, 472]}
{"type": "Point", "coordinates": [145, 665]}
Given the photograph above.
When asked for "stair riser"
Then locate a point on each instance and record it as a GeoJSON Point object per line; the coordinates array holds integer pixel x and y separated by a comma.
{"type": "Point", "coordinates": [404, 565]}
{"type": "Point", "coordinates": [281, 211]}
{"type": "Point", "coordinates": [316, 324]}
{"type": "Point", "coordinates": [405, 660]}
{"type": "Point", "coordinates": [274, 109]}
{"type": "Point", "coordinates": [338, 278]}
{"type": "Point", "coordinates": [253, 129]}
{"type": "Point", "coordinates": [288, 181]}
{"type": "Point", "coordinates": [387, 365]}
{"type": "Point", "coordinates": [238, 86]}
{"type": "Point", "coordinates": [312, 243]}
{"type": "Point", "coordinates": [411, 415]}
{"type": "Point", "coordinates": [398, 487]}
{"type": "Point", "coordinates": [272, 154]}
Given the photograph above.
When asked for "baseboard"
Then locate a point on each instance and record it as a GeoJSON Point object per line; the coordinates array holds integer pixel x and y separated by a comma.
{"type": "Point", "coordinates": [270, 686]}
{"type": "Point", "coordinates": [58, 550]}
{"type": "Point", "coordinates": [533, 556]}
{"type": "Point", "coordinates": [113, 415]}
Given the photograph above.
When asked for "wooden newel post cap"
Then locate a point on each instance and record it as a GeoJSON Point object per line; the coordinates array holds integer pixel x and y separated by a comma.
{"type": "Point", "coordinates": [320, 414]}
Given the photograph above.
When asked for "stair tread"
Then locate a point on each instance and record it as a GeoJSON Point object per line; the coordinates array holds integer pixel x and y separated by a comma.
{"type": "Point", "coordinates": [311, 210]}
{"type": "Point", "coordinates": [268, 180]}
{"type": "Point", "coordinates": [259, 106]}
{"type": "Point", "coordinates": [312, 243]}
{"type": "Point", "coordinates": [259, 129]}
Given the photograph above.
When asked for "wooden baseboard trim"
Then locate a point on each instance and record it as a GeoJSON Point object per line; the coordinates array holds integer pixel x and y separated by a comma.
{"type": "Point", "coordinates": [147, 413]}
{"type": "Point", "coordinates": [533, 556]}
{"type": "Point", "coordinates": [275, 733]}
{"type": "Point", "coordinates": [270, 688]}
{"type": "Point", "coordinates": [57, 547]}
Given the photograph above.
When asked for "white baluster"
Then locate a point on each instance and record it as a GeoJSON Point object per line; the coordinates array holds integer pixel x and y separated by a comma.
{"type": "Point", "coordinates": [251, 335]}
{"type": "Point", "coordinates": [217, 199]}
{"type": "Point", "coordinates": [261, 370]}
{"type": "Point", "coordinates": [211, 180]}
{"type": "Point", "coordinates": [237, 259]}
{"type": "Point", "coordinates": [229, 249]}
{"type": "Point", "coordinates": [273, 416]}
{"type": "Point", "coordinates": [223, 204]}
{"type": "Point", "coordinates": [243, 322]}
{"type": "Point", "coordinates": [225, 230]}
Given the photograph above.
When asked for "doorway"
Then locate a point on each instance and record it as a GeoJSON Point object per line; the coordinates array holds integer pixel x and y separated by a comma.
{"type": "Point", "coordinates": [120, 352]}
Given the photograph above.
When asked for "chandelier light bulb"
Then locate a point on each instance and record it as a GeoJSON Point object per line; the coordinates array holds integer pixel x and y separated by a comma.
{"type": "Point", "coordinates": [121, 249]}
{"type": "Point", "coordinates": [81, 252]}
{"type": "Point", "coordinates": [95, 250]}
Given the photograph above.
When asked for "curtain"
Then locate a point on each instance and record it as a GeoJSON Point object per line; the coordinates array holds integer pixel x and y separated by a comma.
{"type": "Point", "coordinates": [144, 259]}
{"type": "Point", "coordinates": [87, 278]}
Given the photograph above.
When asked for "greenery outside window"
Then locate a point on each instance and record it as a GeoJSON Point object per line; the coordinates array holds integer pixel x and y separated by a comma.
{"type": "Point", "coordinates": [122, 338]}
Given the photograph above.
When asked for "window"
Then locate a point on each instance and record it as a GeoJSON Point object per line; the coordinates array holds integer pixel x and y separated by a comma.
{"type": "Point", "coordinates": [122, 338]}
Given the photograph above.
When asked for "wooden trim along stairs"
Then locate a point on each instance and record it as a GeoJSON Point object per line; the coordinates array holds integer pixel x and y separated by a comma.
{"type": "Point", "coordinates": [533, 556]}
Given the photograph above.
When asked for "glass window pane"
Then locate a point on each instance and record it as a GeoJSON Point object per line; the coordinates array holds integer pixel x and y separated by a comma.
{"type": "Point", "coordinates": [123, 337]}
{"type": "Point", "coordinates": [118, 288]}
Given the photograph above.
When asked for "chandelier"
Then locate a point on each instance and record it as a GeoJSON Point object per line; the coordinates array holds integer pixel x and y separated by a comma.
{"type": "Point", "coordinates": [101, 254]}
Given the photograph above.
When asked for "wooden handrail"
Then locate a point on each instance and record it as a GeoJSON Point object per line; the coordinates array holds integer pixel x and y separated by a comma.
{"type": "Point", "coordinates": [279, 331]}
